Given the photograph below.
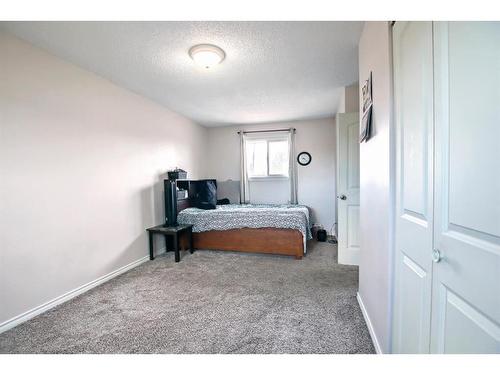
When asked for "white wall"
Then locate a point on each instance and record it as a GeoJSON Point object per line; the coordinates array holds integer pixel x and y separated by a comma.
{"type": "Point", "coordinates": [376, 174]}
{"type": "Point", "coordinates": [275, 191]}
{"type": "Point", "coordinates": [351, 93]}
{"type": "Point", "coordinates": [81, 163]}
{"type": "Point", "coordinates": [349, 99]}
{"type": "Point", "coordinates": [316, 182]}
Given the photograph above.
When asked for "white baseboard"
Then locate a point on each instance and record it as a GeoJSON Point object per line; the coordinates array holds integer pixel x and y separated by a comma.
{"type": "Point", "coordinates": [373, 336]}
{"type": "Point", "coordinates": [21, 318]}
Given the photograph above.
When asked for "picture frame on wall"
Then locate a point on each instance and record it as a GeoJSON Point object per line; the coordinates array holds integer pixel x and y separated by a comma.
{"type": "Point", "coordinates": [366, 120]}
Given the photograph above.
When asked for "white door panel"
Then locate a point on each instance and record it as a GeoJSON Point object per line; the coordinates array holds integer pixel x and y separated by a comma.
{"type": "Point", "coordinates": [466, 281]}
{"type": "Point", "coordinates": [415, 85]}
{"type": "Point", "coordinates": [353, 226]}
{"type": "Point", "coordinates": [476, 334]}
{"type": "Point", "coordinates": [413, 81]}
{"type": "Point", "coordinates": [348, 187]}
{"type": "Point", "coordinates": [413, 306]}
{"type": "Point", "coordinates": [474, 91]}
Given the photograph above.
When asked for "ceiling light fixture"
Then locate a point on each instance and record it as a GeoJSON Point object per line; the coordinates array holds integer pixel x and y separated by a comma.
{"type": "Point", "coordinates": [206, 55]}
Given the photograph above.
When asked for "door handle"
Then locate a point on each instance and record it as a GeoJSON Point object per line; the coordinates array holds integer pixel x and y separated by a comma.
{"type": "Point", "coordinates": [342, 197]}
{"type": "Point", "coordinates": [436, 256]}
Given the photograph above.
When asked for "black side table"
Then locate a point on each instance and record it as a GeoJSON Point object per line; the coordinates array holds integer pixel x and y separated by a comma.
{"type": "Point", "coordinates": [175, 232]}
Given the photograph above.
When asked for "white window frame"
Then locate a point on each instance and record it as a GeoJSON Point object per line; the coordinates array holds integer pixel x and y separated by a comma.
{"type": "Point", "coordinates": [268, 139]}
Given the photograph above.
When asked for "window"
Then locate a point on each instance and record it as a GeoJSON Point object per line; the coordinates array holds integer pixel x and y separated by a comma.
{"type": "Point", "coordinates": [267, 157]}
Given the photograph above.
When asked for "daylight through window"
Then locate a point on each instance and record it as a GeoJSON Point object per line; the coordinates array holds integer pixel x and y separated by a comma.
{"type": "Point", "coordinates": [267, 157]}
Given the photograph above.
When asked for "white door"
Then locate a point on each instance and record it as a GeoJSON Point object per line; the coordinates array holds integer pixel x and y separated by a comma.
{"type": "Point", "coordinates": [466, 275]}
{"type": "Point", "coordinates": [348, 187]}
{"type": "Point", "coordinates": [413, 93]}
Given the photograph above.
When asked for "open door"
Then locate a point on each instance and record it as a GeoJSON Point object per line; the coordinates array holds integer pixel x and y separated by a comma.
{"type": "Point", "coordinates": [348, 187]}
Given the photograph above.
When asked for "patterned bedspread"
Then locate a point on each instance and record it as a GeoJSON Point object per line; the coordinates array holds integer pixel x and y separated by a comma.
{"type": "Point", "coordinates": [234, 216]}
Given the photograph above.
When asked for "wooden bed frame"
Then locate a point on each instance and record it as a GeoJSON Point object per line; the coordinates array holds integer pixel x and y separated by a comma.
{"type": "Point", "coordinates": [253, 240]}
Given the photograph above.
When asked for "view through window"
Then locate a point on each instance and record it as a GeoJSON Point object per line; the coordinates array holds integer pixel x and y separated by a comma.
{"type": "Point", "coordinates": [267, 157]}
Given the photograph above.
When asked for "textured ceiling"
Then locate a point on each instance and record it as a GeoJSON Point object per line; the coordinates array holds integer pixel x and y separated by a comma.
{"type": "Point", "coordinates": [273, 71]}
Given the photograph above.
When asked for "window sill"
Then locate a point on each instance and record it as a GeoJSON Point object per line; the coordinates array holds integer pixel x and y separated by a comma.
{"type": "Point", "coordinates": [268, 178]}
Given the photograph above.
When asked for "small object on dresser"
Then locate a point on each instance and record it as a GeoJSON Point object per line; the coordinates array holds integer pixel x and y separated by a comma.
{"type": "Point", "coordinates": [321, 235]}
{"type": "Point", "coordinates": [177, 174]}
{"type": "Point", "coordinates": [182, 194]}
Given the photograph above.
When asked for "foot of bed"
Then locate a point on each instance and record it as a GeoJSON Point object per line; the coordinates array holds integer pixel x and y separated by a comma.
{"type": "Point", "coordinates": [298, 257]}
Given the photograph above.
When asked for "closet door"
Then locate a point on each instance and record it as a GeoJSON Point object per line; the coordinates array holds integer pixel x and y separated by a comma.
{"type": "Point", "coordinates": [413, 81]}
{"type": "Point", "coordinates": [466, 274]}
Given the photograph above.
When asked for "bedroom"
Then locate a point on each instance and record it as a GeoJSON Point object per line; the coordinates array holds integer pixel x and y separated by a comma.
{"type": "Point", "coordinates": [293, 226]}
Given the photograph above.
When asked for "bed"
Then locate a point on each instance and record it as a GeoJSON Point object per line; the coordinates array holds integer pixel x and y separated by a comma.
{"type": "Point", "coordinates": [272, 229]}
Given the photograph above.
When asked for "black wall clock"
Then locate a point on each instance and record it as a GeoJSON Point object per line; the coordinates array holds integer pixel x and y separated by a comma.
{"type": "Point", "coordinates": [304, 158]}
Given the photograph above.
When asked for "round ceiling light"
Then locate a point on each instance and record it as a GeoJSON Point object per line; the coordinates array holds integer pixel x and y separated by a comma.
{"type": "Point", "coordinates": [206, 55]}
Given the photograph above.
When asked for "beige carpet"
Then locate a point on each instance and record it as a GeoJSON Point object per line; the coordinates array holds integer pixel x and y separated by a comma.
{"type": "Point", "coordinates": [210, 302]}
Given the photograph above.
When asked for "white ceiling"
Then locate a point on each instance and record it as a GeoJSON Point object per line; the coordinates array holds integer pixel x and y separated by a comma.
{"type": "Point", "coordinates": [273, 71]}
